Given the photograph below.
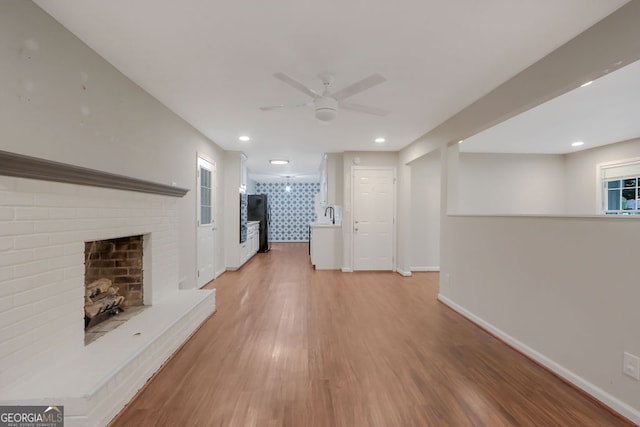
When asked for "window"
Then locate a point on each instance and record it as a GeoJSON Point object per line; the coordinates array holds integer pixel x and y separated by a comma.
{"type": "Point", "coordinates": [621, 187]}
{"type": "Point", "coordinates": [205, 196]}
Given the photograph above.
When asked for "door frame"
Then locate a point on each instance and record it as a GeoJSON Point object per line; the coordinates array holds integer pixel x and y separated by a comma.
{"type": "Point", "coordinates": [394, 231]}
{"type": "Point", "coordinates": [214, 208]}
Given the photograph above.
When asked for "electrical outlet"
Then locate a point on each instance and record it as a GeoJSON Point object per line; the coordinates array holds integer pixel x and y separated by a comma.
{"type": "Point", "coordinates": [631, 366]}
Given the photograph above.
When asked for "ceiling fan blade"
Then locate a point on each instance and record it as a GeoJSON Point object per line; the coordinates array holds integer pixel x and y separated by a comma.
{"type": "Point", "coordinates": [357, 87]}
{"type": "Point", "coordinates": [364, 109]}
{"type": "Point", "coordinates": [277, 107]}
{"type": "Point", "coordinates": [296, 84]}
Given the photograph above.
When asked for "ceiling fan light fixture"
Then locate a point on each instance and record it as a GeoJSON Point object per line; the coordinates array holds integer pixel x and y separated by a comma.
{"type": "Point", "coordinates": [326, 114]}
{"type": "Point", "coordinates": [326, 108]}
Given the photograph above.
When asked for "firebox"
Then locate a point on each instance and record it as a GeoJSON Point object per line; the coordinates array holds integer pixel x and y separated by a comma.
{"type": "Point", "coordinates": [113, 277]}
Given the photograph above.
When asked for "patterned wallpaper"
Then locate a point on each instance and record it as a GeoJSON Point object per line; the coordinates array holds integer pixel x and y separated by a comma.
{"type": "Point", "coordinates": [291, 211]}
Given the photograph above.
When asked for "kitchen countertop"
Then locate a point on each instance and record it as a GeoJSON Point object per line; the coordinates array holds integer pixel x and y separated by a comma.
{"type": "Point", "coordinates": [324, 224]}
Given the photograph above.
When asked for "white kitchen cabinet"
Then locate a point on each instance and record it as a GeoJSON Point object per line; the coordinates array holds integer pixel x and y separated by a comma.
{"type": "Point", "coordinates": [243, 172]}
{"type": "Point", "coordinates": [253, 237]}
{"type": "Point", "coordinates": [331, 182]}
{"type": "Point", "coordinates": [326, 246]}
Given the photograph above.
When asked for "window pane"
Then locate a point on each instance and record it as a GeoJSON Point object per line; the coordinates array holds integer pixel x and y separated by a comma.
{"type": "Point", "coordinates": [629, 193]}
{"type": "Point", "coordinates": [630, 182]}
{"type": "Point", "coordinates": [205, 215]}
{"type": "Point", "coordinates": [614, 184]}
{"type": "Point", "coordinates": [205, 196]}
{"type": "Point", "coordinates": [613, 200]}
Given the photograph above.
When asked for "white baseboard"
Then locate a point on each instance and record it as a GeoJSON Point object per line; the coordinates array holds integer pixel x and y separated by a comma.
{"type": "Point", "coordinates": [220, 272]}
{"type": "Point", "coordinates": [607, 399]}
{"type": "Point", "coordinates": [425, 268]}
{"type": "Point", "coordinates": [347, 270]}
{"type": "Point", "coordinates": [404, 273]}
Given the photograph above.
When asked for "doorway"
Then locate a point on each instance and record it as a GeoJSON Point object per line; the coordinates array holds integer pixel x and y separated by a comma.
{"type": "Point", "coordinates": [374, 219]}
{"type": "Point", "coordinates": [206, 222]}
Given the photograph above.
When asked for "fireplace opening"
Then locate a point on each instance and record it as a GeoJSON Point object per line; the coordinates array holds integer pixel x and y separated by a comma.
{"type": "Point", "coordinates": [113, 281]}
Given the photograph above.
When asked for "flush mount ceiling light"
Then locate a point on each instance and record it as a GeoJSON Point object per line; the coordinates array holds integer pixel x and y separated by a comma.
{"type": "Point", "coordinates": [379, 140]}
{"type": "Point", "coordinates": [577, 143]}
{"type": "Point", "coordinates": [244, 138]}
{"type": "Point", "coordinates": [279, 162]}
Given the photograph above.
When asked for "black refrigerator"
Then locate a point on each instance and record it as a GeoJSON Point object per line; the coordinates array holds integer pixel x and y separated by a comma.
{"type": "Point", "coordinates": [258, 210]}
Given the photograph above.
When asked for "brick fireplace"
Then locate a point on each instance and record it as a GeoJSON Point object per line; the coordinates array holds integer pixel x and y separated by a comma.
{"type": "Point", "coordinates": [119, 260]}
{"type": "Point", "coordinates": [46, 228]}
{"type": "Point", "coordinates": [113, 281]}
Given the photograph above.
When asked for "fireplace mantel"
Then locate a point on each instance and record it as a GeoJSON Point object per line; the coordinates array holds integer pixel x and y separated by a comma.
{"type": "Point", "coordinates": [21, 166]}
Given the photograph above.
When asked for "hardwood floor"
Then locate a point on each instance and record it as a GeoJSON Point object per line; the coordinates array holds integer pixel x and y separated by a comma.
{"type": "Point", "coordinates": [290, 346]}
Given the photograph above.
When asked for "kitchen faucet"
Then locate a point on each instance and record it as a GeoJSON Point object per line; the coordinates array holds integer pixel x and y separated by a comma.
{"type": "Point", "coordinates": [332, 214]}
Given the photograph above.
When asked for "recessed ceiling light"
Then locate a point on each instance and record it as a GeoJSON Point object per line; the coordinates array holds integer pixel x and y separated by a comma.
{"type": "Point", "coordinates": [244, 138]}
{"type": "Point", "coordinates": [279, 162]}
{"type": "Point", "coordinates": [379, 140]}
{"type": "Point", "coordinates": [586, 84]}
{"type": "Point", "coordinates": [461, 141]}
{"type": "Point", "coordinates": [577, 143]}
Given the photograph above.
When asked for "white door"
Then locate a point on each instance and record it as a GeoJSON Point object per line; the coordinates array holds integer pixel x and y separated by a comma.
{"type": "Point", "coordinates": [206, 222]}
{"type": "Point", "coordinates": [373, 219]}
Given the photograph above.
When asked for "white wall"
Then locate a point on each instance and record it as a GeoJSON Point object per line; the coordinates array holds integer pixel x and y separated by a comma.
{"type": "Point", "coordinates": [553, 284]}
{"type": "Point", "coordinates": [62, 102]}
{"type": "Point", "coordinates": [510, 184]}
{"type": "Point", "coordinates": [557, 288]}
{"type": "Point", "coordinates": [582, 181]}
{"type": "Point", "coordinates": [425, 213]}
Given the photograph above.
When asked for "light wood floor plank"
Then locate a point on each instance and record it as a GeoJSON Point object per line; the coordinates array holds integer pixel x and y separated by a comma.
{"type": "Point", "coordinates": [290, 346]}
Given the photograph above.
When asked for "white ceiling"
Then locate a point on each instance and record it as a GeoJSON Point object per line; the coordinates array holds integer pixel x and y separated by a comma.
{"type": "Point", "coordinates": [212, 63]}
{"type": "Point", "coordinates": [604, 112]}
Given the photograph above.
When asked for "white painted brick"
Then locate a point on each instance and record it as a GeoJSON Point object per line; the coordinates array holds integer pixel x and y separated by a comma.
{"type": "Point", "coordinates": [68, 237]}
{"type": "Point", "coordinates": [6, 243]}
{"type": "Point", "coordinates": [16, 314]}
{"type": "Point", "coordinates": [72, 272]}
{"type": "Point", "coordinates": [53, 276]}
{"type": "Point", "coordinates": [68, 213]}
{"type": "Point", "coordinates": [7, 183]}
{"type": "Point", "coordinates": [74, 248]}
{"type": "Point", "coordinates": [53, 226]}
{"type": "Point", "coordinates": [6, 273]}
{"type": "Point", "coordinates": [11, 198]}
{"type": "Point", "coordinates": [14, 344]}
{"type": "Point", "coordinates": [31, 213]}
{"type": "Point", "coordinates": [7, 213]}
{"type": "Point", "coordinates": [31, 268]}
{"type": "Point", "coordinates": [48, 252]}
{"type": "Point", "coordinates": [6, 303]}
{"type": "Point", "coordinates": [15, 257]}
{"type": "Point", "coordinates": [33, 186]}
{"type": "Point", "coordinates": [66, 261]}
{"type": "Point", "coordinates": [13, 228]}
{"type": "Point", "coordinates": [31, 241]}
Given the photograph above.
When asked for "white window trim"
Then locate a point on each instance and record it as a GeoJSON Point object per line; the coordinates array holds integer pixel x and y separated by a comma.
{"type": "Point", "coordinates": [600, 167]}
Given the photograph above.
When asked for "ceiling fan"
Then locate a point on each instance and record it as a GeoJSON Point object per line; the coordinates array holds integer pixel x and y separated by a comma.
{"type": "Point", "coordinates": [326, 104]}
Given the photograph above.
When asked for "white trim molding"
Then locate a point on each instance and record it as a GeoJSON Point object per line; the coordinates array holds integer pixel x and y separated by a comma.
{"type": "Point", "coordinates": [597, 393]}
{"type": "Point", "coordinates": [416, 269]}
{"type": "Point", "coordinates": [404, 273]}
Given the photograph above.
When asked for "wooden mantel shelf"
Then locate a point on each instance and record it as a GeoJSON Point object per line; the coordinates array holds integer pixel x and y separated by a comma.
{"type": "Point", "coordinates": [21, 166]}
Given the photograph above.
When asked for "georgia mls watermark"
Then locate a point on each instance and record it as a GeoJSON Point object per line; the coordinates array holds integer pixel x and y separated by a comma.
{"type": "Point", "coordinates": [31, 416]}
